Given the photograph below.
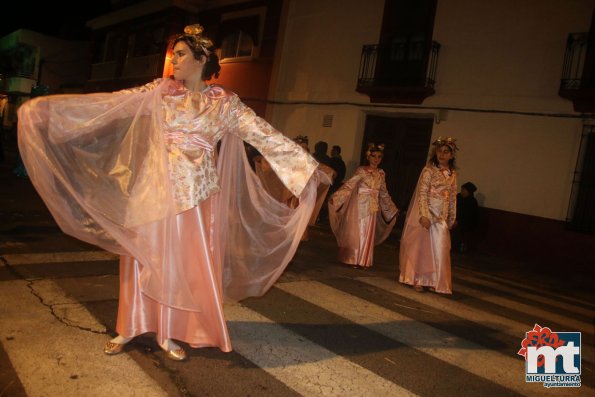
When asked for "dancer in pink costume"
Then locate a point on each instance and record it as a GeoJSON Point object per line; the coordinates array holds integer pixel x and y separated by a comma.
{"type": "Point", "coordinates": [425, 244]}
{"type": "Point", "coordinates": [361, 212]}
{"type": "Point", "coordinates": [138, 172]}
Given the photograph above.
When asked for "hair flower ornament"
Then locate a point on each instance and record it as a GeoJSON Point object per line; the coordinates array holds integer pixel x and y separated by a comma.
{"type": "Point", "coordinates": [446, 141]}
{"type": "Point", "coordinates": [372, 147]}
{"type": "Point", "coordinates": [194, 30]}
{"type": "Point", "coordinates": [301, 139]}
{"type": "Point", "coordinates": [198, 41]}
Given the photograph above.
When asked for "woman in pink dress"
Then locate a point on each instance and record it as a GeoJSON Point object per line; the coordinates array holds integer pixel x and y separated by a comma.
{"type": "Point", "coordinates": [425, 244]}
{"type": "Point", "coordinates": [138, 172]}
{"type": "Point", "coordinates": [361, 212]}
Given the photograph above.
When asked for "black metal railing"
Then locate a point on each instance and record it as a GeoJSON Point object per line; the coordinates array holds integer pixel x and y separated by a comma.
{"type": "Point", "coordinates": [367, 64]}
{"type": "Point", "coordinates": [433, 63]}
{"type": "Point", "coordinates": [574, 61]}
{"type": "Point", "coordinates": [399, 63]}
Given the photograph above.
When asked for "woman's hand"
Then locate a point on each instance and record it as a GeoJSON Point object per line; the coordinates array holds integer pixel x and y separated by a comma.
{"type": "Point", "coordinates": [425, 222]}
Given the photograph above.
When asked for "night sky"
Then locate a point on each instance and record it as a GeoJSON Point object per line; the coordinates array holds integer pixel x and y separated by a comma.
{"type": "Point", "coordinates": [45, 17]}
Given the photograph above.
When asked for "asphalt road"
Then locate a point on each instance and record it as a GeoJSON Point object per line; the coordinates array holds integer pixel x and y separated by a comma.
{"type": "Point", "coordinates": [324, 329]}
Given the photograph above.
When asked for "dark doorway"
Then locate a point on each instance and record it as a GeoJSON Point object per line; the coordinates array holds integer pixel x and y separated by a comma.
{"type": "Point", "coordinates": [407, 141]}
{"type": "Point", "coordinates": [582, 207]}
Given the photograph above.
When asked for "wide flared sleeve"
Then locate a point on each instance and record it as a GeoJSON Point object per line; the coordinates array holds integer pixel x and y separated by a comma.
{"type": "Point", "coordinates": [291, 163]}
{"type": "Point", "coordinates": [100, 151]}
{"type": "Point", "coordinates": [386, 218]}
{"type": "Point", "coordinates": [344, 210]}
{"type": "Point", "coordinates": [423, 190]}
{"type": "Point", "coordinates": [98, 162]}
{"type": "Point", "coordinates": [257, 235]}
{"type": "Point", "coordinates": [385, 202]}
{"type": "Point", "coordinates": [344, 192]}
{"type": "Point", "coordinates": [452, 201]}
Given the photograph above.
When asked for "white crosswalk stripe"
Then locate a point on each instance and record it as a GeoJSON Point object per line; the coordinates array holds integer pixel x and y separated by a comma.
{"type": "Point", "coordinates": [309, 369]}
{"type": "Point", "coordinates": [53, 357]}
{"type": "Point", "coordinates": [460, 309]}
{"type": "Point", "coordinates": [469, 356]}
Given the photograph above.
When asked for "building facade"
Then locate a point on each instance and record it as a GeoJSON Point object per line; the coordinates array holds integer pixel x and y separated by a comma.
{"type": "Point", "coordinates": [495, 86]}
{"type": "Point", "coordinates": [510, 80]}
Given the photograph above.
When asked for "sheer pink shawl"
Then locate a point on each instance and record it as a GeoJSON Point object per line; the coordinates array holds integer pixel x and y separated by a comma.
{"type": "Point", "coordinates": [98, 162]}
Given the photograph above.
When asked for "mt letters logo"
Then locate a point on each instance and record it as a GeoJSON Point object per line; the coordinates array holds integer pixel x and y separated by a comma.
{"type": "Point", "coordinates": [553, 358]}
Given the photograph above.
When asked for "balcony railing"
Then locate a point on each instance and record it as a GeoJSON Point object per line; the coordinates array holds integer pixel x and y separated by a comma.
{"type": "Point", "coordinates": [574, 61]}
{"type": "Point", "coordinates": [401, 71]}
{"type": "Point", "coordinates": [578, 72]}
{"type": "Point", "coordinates": [367, 65]}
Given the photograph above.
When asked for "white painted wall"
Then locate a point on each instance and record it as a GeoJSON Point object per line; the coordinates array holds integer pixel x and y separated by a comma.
{"type": "Point", "coordinates": [495, 56]}
{"type": "Point", "coordinates": [520, 164]}
{"type": "Point", "coordinates": [319, 62]}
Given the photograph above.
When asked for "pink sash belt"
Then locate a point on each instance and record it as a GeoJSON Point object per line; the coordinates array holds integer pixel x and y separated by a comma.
{"type": "Point", "coordinates": [188, 141]}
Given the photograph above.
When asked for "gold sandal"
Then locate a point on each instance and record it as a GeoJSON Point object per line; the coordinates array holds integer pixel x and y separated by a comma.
{"type": "Point", "coordinates": [112, 348]}
{"type": "Point", "coordinates": [177, 354]}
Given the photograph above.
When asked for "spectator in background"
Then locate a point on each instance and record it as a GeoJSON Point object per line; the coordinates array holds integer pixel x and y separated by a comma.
{"type": "Point", "coordinates": [320, 155]}
{"type": "Point", "coordinates": [467, 217]}
{"type": "Point", "coordinates": [320, 209]}
{"type": "Point", "coordinates": [338, 165]}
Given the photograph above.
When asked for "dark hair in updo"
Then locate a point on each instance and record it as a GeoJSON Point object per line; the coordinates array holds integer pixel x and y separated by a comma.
{"type": "Point", "coordinates": [212, 66]}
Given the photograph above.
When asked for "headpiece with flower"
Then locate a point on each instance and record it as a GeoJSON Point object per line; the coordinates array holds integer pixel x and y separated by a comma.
{"type": "Point", "coordinates": [372, 147]}
{"type": "Point", "coordinates": [447, 141]}
{"type": "Point", "coordinates": [301, 139]}
{"type": "Point", "coordinates": [195, 39]}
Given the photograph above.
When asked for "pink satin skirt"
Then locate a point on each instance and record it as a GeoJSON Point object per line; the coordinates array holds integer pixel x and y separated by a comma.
{"type": "Point", "coordinates": [425, 257]}
{"type": "Point", "coordinates": [138, 314]}
{"type": "Point", "coordinates": [363, 254]}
